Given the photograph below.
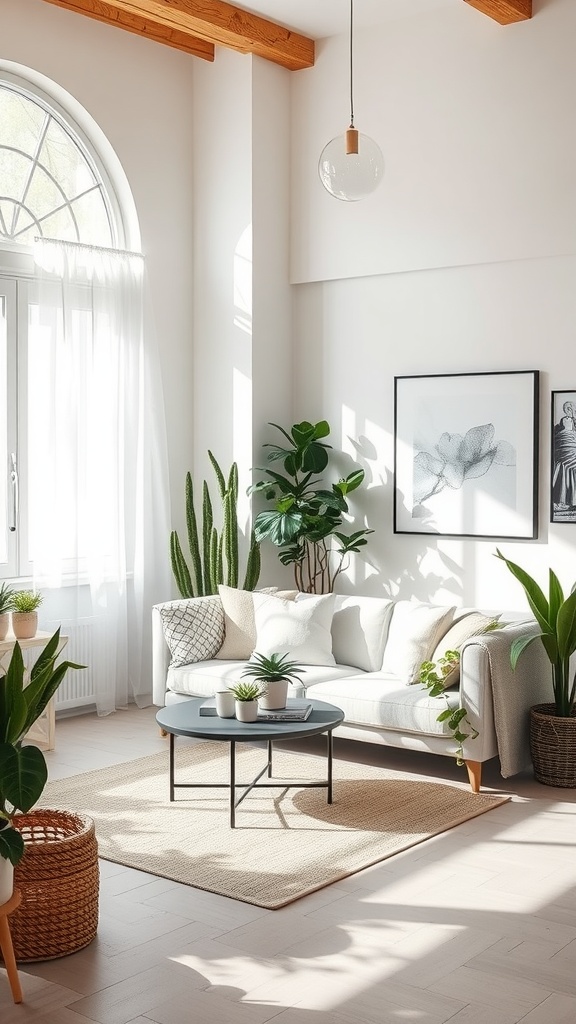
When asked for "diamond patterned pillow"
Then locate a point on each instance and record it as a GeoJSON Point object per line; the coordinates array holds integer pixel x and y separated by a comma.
{"type": "Point", "coordinates": [193, 629]}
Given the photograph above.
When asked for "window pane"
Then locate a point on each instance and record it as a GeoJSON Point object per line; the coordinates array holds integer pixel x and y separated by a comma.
{"type": "Point", "coordinates": [21, 121]}
{"type": "Point", "coordinates": [65, 162]}
{"type": "Point", "coordinates": [92, 218]}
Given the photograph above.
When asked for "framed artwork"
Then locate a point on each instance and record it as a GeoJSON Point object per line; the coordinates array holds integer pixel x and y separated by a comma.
{"type": "Point", "coordinates": [466, 455]}
{"type": "Point", "coordinates": [563, 458]}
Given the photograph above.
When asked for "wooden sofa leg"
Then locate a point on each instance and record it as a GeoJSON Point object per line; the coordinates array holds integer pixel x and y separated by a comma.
{"type": "Point", "coordinates": [163, 733]}
{"type": "Point", "coordinates": [474, 774]}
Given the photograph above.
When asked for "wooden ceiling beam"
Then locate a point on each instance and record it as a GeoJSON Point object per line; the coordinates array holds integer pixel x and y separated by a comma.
{"type": "Point", "coordinates": [505, 12]}
{"type": "Point", "coordinates": [212, 21]}
{"type": "Point", "coordinates": [108, 13]}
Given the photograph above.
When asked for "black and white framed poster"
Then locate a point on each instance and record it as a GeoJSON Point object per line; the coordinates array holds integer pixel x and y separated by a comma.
{"type": "Point", "coordinates": [466, 454]}
{"type": "Point", "coordinates": [563, 458]}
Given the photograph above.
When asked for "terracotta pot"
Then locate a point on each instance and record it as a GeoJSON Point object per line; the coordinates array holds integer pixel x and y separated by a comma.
{"type": "Point", "coordinates": [246, 710]}
{"type": "Point", "coordinates": [4, 623]}
{"type": "Point", "coordinates": [275, 696]}
{"type": "Point", "coordinates": [24, 625]}
{"type": "Point", "coordinates": [553, 747]}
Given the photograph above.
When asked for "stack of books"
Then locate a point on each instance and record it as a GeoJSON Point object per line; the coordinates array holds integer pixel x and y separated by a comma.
{"type": "Point", "coordinates": [296, 710]}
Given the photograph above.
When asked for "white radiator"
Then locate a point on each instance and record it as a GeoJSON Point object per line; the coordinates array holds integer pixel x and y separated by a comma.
{"type": "Point", "coordinates": [77, 688]}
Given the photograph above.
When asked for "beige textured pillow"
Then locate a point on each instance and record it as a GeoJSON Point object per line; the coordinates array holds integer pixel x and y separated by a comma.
{"type": "Point", "coordinates": [239, 624]}
{"type": "Point", "coordinates": [415, 630]}
{"type": "Point", "coordinates": [472, 624]}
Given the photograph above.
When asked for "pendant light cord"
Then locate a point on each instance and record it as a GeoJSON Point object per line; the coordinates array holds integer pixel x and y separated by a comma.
{"type": "Point", "coordinates": [351, 64]}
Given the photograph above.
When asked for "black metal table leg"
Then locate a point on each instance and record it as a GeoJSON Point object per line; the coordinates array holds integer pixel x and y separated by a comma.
{"type": "Point", "coordinates": [269, 759]}
{"type": "Point", "coordinates": [232, 784]}
{"type": "Point", "coordinates": [329, 766]}
{"type": "Point", "coordinates": [171, 767]}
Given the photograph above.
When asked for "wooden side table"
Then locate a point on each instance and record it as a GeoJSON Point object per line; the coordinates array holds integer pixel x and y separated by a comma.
{"type": "Point", "coordinates": [6, 945]}
{"type": "Point", "coordinates": [43, 732]}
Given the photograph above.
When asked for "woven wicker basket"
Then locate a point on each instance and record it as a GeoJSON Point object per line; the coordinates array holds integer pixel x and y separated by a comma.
{"type": "Point", "coordinates": [58, 879]}
{"type": "Point", "coordinates": [553, 747]}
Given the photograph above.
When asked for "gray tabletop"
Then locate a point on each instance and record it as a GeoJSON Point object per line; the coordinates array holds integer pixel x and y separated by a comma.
{"type": "Point", "coordinates": [184, 719]}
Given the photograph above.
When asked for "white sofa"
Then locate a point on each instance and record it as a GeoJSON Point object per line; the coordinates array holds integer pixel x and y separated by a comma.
{"type": "Point", "coordinates": [376, 645]}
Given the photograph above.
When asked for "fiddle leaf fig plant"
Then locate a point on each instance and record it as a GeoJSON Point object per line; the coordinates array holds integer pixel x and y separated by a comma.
{"type": "Point", "coordinates": [306, 516]}
{"type": "Point", "coordinates": [23, 770]}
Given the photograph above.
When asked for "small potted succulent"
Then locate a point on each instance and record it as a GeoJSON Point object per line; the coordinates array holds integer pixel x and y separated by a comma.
{"type": "Point", "coordinates": [246, 699]}
{"type": "Point", "coordinates": [274, 673]}
{"type": "Point", "coordinates": [6, 595]}
{"type": "Point", "coordinates": [25, 604]}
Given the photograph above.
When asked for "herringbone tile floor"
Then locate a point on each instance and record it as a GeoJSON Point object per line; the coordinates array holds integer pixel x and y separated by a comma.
{"type": "Point", "coordinates": [476, 926]}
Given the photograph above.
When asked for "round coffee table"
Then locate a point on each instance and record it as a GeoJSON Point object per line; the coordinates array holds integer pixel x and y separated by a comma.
{"type": "Point", "coordinates": [184, 719]}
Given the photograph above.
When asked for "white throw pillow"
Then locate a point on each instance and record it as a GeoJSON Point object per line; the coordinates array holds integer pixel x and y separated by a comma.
{"type": "Point", "coordinates": [193, 629]}
{"type": "Point", "coordinates": [239, 624]}
{"type": "Point", "coordinates": [462, 629]}
{"type": "Point", "coordinates": [415, 630]}
{"type": "Point", "coordinates": [300, 628]}
{"type": "Point", "coordinates": [359, 629]}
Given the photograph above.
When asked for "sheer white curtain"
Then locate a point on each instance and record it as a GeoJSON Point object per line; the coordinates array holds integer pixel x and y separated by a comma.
{"type": "Point", "coordinates": [98, 514]}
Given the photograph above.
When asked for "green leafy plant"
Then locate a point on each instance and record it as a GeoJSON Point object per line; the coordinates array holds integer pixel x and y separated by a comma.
{"type": "Point", "coordinates": [6, 598]}
{"type": "Point", "coordinates": [273, 668]}
{"type": "Point", "coordinates": [213, 555]}
{"type": "Point", "coordinates": [247, 691]}
{"type": "Point", "coordinates": [26, 601]}
{"type": "Point", "coordinates": [23, 770]}
{"type": "Point", "coordinates": [306, 516]}
{"type": "Point", "coordinates": [433, 677]}
{"type": "Point", "coordinates": [556, 616]}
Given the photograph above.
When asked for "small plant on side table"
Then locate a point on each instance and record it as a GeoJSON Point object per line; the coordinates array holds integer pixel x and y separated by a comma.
{"type": "Point", "coordinates": [6, 604]}
{"type": "Point", "coordinates": [433, 676]}
{"type": "Point", "coordinates": [26, 601]}
{"type": "Point", "coordinates": [25, 604]}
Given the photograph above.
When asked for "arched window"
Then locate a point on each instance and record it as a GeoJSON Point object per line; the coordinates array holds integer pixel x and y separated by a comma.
{"type": "Point", "coordinates": [50, 185]}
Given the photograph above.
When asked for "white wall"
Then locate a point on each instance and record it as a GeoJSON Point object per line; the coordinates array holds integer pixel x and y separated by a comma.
{"type": "Point", "coordinates": [139, 93]}
{"type": "Point", "coordinates": [468, 251]}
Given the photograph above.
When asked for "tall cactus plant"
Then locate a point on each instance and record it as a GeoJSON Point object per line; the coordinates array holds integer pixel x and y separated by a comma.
{"type": "Point", "coordinates": [214, 556]}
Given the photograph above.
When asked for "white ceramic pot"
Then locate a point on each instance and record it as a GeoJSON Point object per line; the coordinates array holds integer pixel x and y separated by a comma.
{"type": "Point", "coordinates": [246, 710]}
{"type": "Point", "coordinates": [4, 623]}
{"type": "Point", "coordinates": [24, 625]}
{"type": "Point", "coordinates": [275, 696]}
{"type": "Point", "coordinates": [6, 880]}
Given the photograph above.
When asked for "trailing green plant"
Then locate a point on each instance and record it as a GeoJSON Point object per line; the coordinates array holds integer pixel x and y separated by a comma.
{"type": "Point", "coordinates": [23, 770]}
{"type": "Point", "coordinates": [273, 668]}
{"type": "Point", "coordinates": [306, 516]}
{"type": "Point", "coordinates": [26, 601]}
{"type": "Point", "coordinates": [247, 691]}
{"type": "Point", "coordinates": [433, 677]}
{"type": "Point", "coordinates": [213, 555]}
{"type": "Point", "coordinates": [556, 616]}
{"type": "Point", "coordinates": [6, 598]}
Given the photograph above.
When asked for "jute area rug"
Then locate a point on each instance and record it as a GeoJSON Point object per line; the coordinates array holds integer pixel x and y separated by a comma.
{"type": "Point", "coordinates": [287, 842]}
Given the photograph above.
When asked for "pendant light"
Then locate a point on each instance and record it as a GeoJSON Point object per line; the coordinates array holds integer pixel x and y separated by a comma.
{"type": "Point", "coordinates": [351, 166]}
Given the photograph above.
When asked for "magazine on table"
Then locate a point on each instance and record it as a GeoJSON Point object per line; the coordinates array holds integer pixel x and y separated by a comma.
{"type": "Point", "coordinates": [296, 710]}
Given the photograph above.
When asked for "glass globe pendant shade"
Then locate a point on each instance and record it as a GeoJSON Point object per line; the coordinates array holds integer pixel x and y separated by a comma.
{"type": "Point", "coordinates": [351, 166]}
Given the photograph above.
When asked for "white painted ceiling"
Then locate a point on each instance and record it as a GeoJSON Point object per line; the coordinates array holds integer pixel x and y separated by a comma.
{"type": "Point", "coordinates": [319, 18]}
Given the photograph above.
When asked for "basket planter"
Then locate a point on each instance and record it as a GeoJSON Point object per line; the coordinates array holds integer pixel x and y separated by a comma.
{"type": "Point", "coordinates": [553, 747]}
{"type": "Point", "coordinates": [58, 879]}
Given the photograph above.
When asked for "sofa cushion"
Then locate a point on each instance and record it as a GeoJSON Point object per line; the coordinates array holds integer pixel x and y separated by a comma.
{"type": "Point", "coordinates": [193, 629]}
{"type": "Point", "coordinates": [415, 630]}
{"type": "Point", "coordinates": [462, 629]}
{"type": "Point", "coordinates": [300, 628]}
{"type": "Point", "coordinates": [204, 679]}
{"type": "Point", "coordinates": [359, 629]}
{"type": "Point", "coordinates": [380, 700]}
